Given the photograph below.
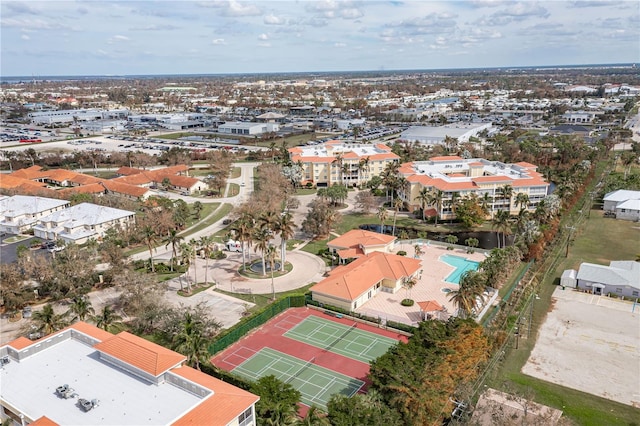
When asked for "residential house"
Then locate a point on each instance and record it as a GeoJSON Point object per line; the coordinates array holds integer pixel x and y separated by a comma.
{"type": "Point", "coordinates": [624, 203]}
{"type": "Point", "coordinates": [20, 213]}
{"type": "Point", "coordinates": [620, 278]}
{"type": "Point", "coordinates": [79, 223]}
{"type": "Point", "coordinates": [84, 375]}
{"type": "Point", "coordinates": [351, 286]}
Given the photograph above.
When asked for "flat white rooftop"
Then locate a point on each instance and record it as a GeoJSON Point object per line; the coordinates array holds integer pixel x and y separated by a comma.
{"type": "Point", "coordinates": [30, 386]}
{"type": "Point", "coordinates": [361, 150]}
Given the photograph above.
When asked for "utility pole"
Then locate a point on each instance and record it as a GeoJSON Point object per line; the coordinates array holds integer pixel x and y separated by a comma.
{"type": "Point", "coordinates": [571, 229]}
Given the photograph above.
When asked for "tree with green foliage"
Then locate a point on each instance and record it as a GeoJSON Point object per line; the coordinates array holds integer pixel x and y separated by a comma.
{"type": "Point", "coordinates": [368, 409]}
{"type": "Point", "coordinates": [107, 319]}
{"type": "Point", "coordinates": [197, 209]}
{"type": "Point", "coordinates": [469, 211]}
{"type": "Point", "coordinates": [285, 227]}
{"type": "Point", "coordinates": [173, 239]}
{"type": "Point", "coordinates": [47, 321]}
{"type": "Point", "coordinates": [278, 401]}
{"type": "Point", "coordinates": [80, 309]}
{"type": "Point", "coordinates": [190, 341]}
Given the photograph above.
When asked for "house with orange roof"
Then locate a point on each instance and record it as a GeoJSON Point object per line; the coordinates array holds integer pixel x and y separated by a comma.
{"type": "Point", "coordinates": [85, 375]}
{"type": "Point", "coordinates": [351, 286]}
{"type": "Point", "coordinates": [333, 162]}
{"type": "Point", "coordinates": [359, 242]}
{"type": "Point", "coordinates": [455, 178]}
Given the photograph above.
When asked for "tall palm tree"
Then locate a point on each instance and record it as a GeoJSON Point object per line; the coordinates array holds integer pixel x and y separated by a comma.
{"type": "Point", "coordinates": [206, 243]}
{"type": "Point", "coordinates": [471, 288]}
{"type": "Point", "coordinates": [397, 204]}
{"type": "Point", "coordinates": [506, 192]}
{"type": "Point", "coordinates": [107, 319]}
{"type": "Point", "coordinates": [150, 238]}
{"type": "Point", "coordinates": [285, 227]}
{"type": "Point", "coordinates": [408, 283]}
{"type": "Point", "coordinates": [261, 238]}
{"type": "Point", "coordinates": [270, 256]}
{"type": "Point", "coordinates": [47, 321]}
{"type": "Point", "coordinates": [190, 341]}
{"type": "Point", "coordinates": [453, 203]}
{"type": "Point", "coordinates": [193, 244]}
{"type": "Point", "coordinates": [435, 199]}
{"type": "Point", "coordinates": [522, 200]}
{"type": "Point", "coordinates": [268, 221]}
{"type": "Point", "coordinates": [80, 309]}
{"type": "Point", "coordinates": [383, 215]}
{"type": "Point", "coordinates": [173, 239]}
{"type": "Point", "coordinates": [338, 162]}
{"type": "Point", "coordinates": [187, 251]}
{"type": "Point", "coordinates": [243, 230]}
{"type": "Point", "coordinates": [501, 224]}
{"type": "Point", "coordinates": [423, 199]}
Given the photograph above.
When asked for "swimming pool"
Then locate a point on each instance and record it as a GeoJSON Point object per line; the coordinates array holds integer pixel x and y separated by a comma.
{"type": "Point", "coordinates": [461, 264]}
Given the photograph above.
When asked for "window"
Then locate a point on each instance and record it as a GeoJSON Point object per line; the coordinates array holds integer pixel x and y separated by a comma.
{"type": "Point", "coordinates": [618, 290]}
{"type": "Point", "coordinates": [369, 294]}
{"type": "Point", "coordinates": [634, 293]}
{"type": "Point", "coordinates": [246, 418]}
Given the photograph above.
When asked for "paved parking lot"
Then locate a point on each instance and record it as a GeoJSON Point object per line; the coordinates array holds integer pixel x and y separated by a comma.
{"type": "Point", "coordinates": [590, 343]}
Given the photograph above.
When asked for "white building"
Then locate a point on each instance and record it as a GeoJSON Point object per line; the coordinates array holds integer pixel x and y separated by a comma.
{"type": "Point", "coordinates": [624, 203]}
{"type": "Point", "coordinates": [69, 115]}
{"type": "Point", "coordinates": [81, 222]}
{"type": "Point", "coordinates": [247, 128]}
{"type": "Point", "coordinates": [84, 375]}
{"type": "Point", "coordinates": [432, 135]}
{"type": "Point", "coordinates": [620, 278]}
{"type": "Point", "coordinates": [20, 213]}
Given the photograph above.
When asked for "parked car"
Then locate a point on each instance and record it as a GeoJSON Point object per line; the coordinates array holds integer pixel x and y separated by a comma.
{"type": "Point", "coordinates": [55, 249]}
{"type": "Point", "coordinates": [226, 221]}
{"type": "Point", "coordinates": [26, 312]}
{"type": "Point", "coordinates": [48, 245]}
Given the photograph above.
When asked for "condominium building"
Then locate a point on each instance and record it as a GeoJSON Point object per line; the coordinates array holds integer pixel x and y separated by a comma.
{"type": "Point", "coordinates": [339, 162]}
{"type": "Point", "coordinates": [84, 375]}
{"type": "Point", "coordinates": [457, 177]}
{"type": "Point", "coordinates": [20, 213]}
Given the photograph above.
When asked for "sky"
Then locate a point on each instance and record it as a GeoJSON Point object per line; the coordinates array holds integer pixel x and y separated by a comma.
{"type": "Point", "coordinates": [87, 37]}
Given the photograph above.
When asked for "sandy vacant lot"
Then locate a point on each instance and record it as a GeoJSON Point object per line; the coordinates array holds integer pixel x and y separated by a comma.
{"type": "Point", "coordinates": [592, 344]}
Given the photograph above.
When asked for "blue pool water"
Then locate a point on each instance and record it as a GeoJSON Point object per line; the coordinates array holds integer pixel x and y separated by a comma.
{"type": "Point", "coordinates": [461, 264]}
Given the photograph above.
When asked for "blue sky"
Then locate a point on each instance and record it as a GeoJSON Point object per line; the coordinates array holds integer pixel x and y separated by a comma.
{"type": "Point", "coordinates": [187, 37]}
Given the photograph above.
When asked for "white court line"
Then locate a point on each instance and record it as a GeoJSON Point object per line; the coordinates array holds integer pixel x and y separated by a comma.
{"type": "Point", "coordinates": [235, 353]}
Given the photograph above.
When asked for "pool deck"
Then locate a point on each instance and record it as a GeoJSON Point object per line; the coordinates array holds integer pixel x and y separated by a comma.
{"type": "Point", "coordinates": [429, 286]}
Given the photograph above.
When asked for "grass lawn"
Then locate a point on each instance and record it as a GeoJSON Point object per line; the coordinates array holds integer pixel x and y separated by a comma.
{"type": "Point", "coordinates": [598, 240]}
{"type": "Point", "coordinates": [306, 191]}
{"type": "Point", "coordinates": [217, 215]}
{"type": "Point", "coordinates": [235, 172]}
{"type": "Point", "coordinates": [262, 300]}
{"type": "Point", "coordinates": [288, 267]}
{"type": "Point", "coordinates": [314, 247]}
{"type": "Point", "coordinates": [234, 189]}
{"type": "Point", "coordinates": [207, 209]}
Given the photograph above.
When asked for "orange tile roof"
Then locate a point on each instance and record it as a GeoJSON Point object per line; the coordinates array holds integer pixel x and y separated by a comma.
{"type": "Point", "coordinates": [123, 188]}
{"type": "Point", "coordinates": [527, 165]}
{"type": "Point", "coordinates": [91, 330]}
{"type": "Point", "coordinates": [443, 185]}
{"type": "Point", "coordinates": [137, 179]}
{"type": "Point", "coordinates": [476, 164]}
{"type": "Point", "coordinates": [44, 421]}
{"type": "Point", "coordinates": [140, 353]}
{"type": "Point", "coordinates": [84, 179]}
{"type": "Point", "coordinates": [430, 306]}
{"type": "Point", "coordinates": [20, 343]}
{"type": "Point", "coordinates": [182, 181]}
{"type": "Point", "coordinates": [350, 281]}
{"type": "Point", "coordinates": [12, 181]}
{"type": "Point", "coordinates": [92, 188]}
{"type": "Point", "coordinates": [28, 173]}
{"type": "Point", "coordinates": [360, 237]}
{"type": "Point", "coordinates": [350, 253]}
{"type": "Point", "coordinates": [59, 175]}
{"type": "Point", "coordinates": [219, 409]}
{"type": "Point", "coordinates": [128, 171]}
{"type": "Point", "coordinates": [495, 178]}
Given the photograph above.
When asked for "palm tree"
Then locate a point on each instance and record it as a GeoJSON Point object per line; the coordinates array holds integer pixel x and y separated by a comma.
{"type": "Point", "coordinates": [47, 321]}
{"type": "Point", "coordinates": [408, 283]}
{"type": "Point", "coordinates": [190, 341]}
{"type": "Point", "coordinates": [397, 204]}
{"type": "Point", "coordinates": [314, 417]}
{"type": "Point", "coordinates": [261, 238]}
{"type": "Point", "coordinates": [338, 161]}
{"type": "Point", "coordinates": [435, 199]}
{"type": "Point", "coordinates": [270, 255]}
{"type": "Point", "coordinates": [506, 192]}
{"type": "Point", "coordinates": [80, 309]}
{"type": "Point", "coordinates": [501, 224]}
{"type": "Point", "coordinates": [107, 319]}
{"type": "Point", "coordinates": [453, 203]}
{"type": "Point", "coordinates": [242, 230]}
{"type": "Point", "coordinates": [423, 199]}
{"type": "Point", "coordinates": [471, 288]}
{"type": "Point", "coordinates": [285, 227]}
{"type": "Point", "coordinates": [150, 238]}
{"type": "Point", "coordinates": [206, 243]}
{"type": "Point", "coordinates": [522, 200]}
{"type": "Point", "coordinates": [187, 251]}
{"type": "Point", "coordinates": [193, 244]}
{"type": "Point", "coordinates": [174, 240]}
{"type": "Point", "coordinates": [383, 215]}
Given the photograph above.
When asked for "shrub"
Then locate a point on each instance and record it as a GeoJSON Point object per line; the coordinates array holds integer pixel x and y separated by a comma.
{"type": "Point", "coordinates": [402, 253]}
{"type": "Point", "coordinates": [161, 268]}
{"type": "Point", "coordinates": [407, 302]}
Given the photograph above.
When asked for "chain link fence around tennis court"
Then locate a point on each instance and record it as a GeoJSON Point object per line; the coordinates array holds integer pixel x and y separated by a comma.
{"type": "Point", "coordinates": [235, 333]}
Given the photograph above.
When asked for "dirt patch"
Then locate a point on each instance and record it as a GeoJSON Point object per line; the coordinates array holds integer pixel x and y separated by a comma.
{"type": "Point", "coordinates": [589, 343]}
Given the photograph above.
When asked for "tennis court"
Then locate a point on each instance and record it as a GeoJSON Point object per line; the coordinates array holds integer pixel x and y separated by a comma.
{"type": "Point", "coordinates": [341, 339]}
{"type": "Point", "coordinates": [316, 384]}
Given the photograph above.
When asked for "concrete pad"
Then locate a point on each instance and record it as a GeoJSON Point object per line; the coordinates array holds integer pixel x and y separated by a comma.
{"type": "Point", "coordinates": [592, 344]}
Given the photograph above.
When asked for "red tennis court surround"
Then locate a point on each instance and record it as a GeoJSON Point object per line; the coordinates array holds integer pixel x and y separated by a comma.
{"type": "Point", "coordinates": [271, 335]}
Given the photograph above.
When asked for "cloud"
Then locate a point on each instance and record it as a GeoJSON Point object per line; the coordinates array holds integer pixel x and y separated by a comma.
{"type": "Point", "coordinates": [19, 8]}
{"type": "Point", "coordinates": [595, 3]}
{"type": "Point", "coordinates": [515, 12]}
{"type": "Point", "coordinates": [263, 37]}
{"type": "Point", "coordinates": [234, 8]}
{"type": "Point", "coordinates": [118, 38]}
{"type": "Point", "coordinates": [33, 24]}
{"type": "Point", "coordinates": [271, 19]}
{"type": "Point", "coordinates": [339, 44]}
{"type": "Point", "coordinates": [434, 23]}
{"type": "Point", "coordinates": [331, 9]}
{"type": "Point", "coordinates": [157, 27]}
{"type": "Point", "coordinates": [549, 29]}
{"type": "Point", "coordinates": [25, 37]}
{"type": "Point", "coordinates": [218, 41]}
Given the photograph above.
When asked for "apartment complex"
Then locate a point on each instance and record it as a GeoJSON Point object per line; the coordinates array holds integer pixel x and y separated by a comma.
{"type": "Point", "coordinates": [457, 177]}
{"type": "Point", "coordinates": [339, 162]}
{"type": "Point", "coordinates": [84, 375]}
{"type": "Point", "coordinates": [20, 213]}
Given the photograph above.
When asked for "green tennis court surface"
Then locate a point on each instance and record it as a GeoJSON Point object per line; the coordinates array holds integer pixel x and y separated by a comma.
{"type": "Point", "coordinates": [316, 384]}
{"type": "Point", "coordinates": [341, 339]}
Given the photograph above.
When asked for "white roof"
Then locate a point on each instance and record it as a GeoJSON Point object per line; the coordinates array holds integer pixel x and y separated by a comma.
{"type": "Point", "coordinates": [622, 195]}
{"type": "Point", "coordinates": [124, 399]}
{"type": "Point", "coordinates": [452, 130]}
{"type": "Point", "coordinates": [619, 273]}
{"type": "Point", "coordinates": [87, 214]}
{"type": "Point", "coordinates": [23, 204]}
{"type": "Point", "coordinates": [629, 205]}
{"type": "Point", "coordinates": [569, 273]}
